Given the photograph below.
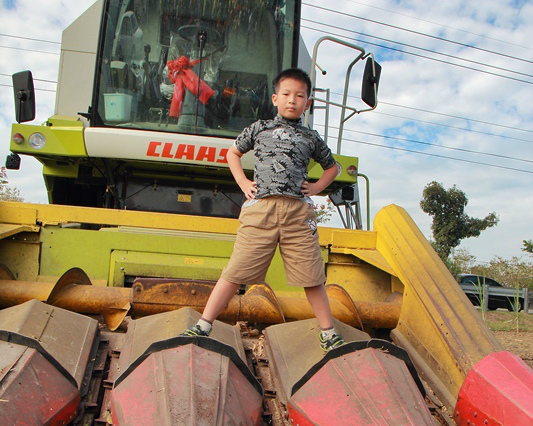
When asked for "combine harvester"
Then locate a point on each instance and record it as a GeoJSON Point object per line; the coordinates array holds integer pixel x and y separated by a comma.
{"type": "Point", "coordinates": [96, 287]}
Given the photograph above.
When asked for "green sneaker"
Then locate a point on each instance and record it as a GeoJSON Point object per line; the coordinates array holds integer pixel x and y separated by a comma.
{"type": "Point", "coordinates": [194, 331]}
{"type": "Point", "coordinates": [334, 342]}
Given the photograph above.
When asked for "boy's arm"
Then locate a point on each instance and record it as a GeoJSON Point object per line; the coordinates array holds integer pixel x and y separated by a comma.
{"type": "Point", "coordinates": [247, 186]}
{"type": "Point", "coordinates": [329, 175]}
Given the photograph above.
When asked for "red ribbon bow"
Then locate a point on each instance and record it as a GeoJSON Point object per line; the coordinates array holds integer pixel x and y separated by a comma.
{"type": "Point", "coordinates": [181, 75]}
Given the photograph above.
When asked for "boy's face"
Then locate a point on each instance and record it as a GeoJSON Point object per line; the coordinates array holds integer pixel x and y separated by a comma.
{"type": "Point", "coordinates": [291, 98]}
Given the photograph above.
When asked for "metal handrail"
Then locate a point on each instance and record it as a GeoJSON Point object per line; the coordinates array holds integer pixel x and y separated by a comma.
{"type": "Point", "coordinates": [362, 55]}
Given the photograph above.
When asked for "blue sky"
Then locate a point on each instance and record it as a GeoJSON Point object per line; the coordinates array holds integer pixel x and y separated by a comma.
{"type": "Point", "coordinates": [8, 4]}
{"type": "Point", "coordinates": [463, 113]}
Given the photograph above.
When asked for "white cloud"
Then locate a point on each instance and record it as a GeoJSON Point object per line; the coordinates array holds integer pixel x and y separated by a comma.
{"type": "Point", "coordinates": [400, 177]}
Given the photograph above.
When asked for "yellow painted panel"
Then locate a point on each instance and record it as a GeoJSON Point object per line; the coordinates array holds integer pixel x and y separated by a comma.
{"type": "Point", "coordinates": [7, 230]}
{"type": "Point", "coordinates": [21, 256]}
{"type": "Point", "coordinates": [437, 321]}
{"type": "Point", "coordinates": [396, 285]}
{"type": "Point", "coordinates": [347, 238]}
{"type": "Point", "coordinates": [56, 214]}
{"type": "Point", "coordinates": [362, 282]}
{"type": "Point", "coordinates": [373, 257]}
{"type": "Point", "coordinates": [20, 213]}
{"type": "Point", "coordinates": [146, 264]}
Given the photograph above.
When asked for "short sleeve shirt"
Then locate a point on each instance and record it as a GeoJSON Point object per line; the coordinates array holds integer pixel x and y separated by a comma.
{"type": "Point", "coordinates": [282, 149]}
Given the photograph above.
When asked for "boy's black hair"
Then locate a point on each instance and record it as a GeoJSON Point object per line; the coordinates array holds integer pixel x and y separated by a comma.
{"type": "Point", "coordinates": [296, 74]}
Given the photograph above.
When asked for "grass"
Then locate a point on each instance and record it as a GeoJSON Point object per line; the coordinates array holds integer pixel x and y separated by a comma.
{"type": "Point", "coordinates": [509, 321]}
{"type": "Point", "coordinates": [482, 294]}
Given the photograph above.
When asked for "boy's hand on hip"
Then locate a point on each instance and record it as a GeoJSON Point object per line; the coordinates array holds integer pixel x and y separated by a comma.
{"type": "Point", "coordinates": [249, 188]}
{"type": "Point", "coordinates": [309, 189]}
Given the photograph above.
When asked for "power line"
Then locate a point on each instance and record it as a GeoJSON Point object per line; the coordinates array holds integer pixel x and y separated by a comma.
{"type": "Point", "coordinates": [31, 39]}
{"type": "Point", "coordinates": [469, 151]}
{"type": "Point", "coordinates": [396, 116]}
{"type": "Point", "coordinates": [382, 102]}
{"type": "Point", "coordinates": [433, 145]}
{"type": "Point", "coordinates": [419, 33]}
{"type": "Point", "coordinates": [36, 88]}
{"type": "Point", "coordinates": [455, 127]}
{"type": "Point", "coordinates": [440, 156]}
{"type": "Point", "coordinates": [419, 48]}
{"type": "Point", "coordinates": [35, 79]}
{"type": "Point", "coordinates": [441, 25]}
{"type": "Point", "coordinates": [448, 125]}
{"type": "Point", "coordinates": [29, 50]}
{"type": "Point", "coordinates": [421, 56]}
{"type": "Point", "coordinates": [454, 116]}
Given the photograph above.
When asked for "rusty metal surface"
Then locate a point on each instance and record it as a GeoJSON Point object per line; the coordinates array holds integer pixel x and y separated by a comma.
{"type": "Point", "coordinates": [258, 304]}
{"type": "Point", "coordinates": [10, 353]}
{"type": "Point", "coordinates": [112, 342]}
{"type": "Point", "coordinates": [146, 331]}
{"type": "Point", "coordinates": [154, 295]}
{"type": "Point", "coordinates": [371, 314]}
{"type": "Point", "coordinates": [72, 276]}
{"type": "Point", "coordinates": [379, 314]}
{"type": "Point", "coordinates": [338, 294]}
{"type": "Point", "coordinates": [293, 348]}
{"type": "Point", "coordinates": [32, 391]}
{"type": "Point", "coordinates": [112, 303]}
{"type": "Point", "coordinates": [366, 387]}
{"type": "Point", "coordinates": [187, 385]}
{"type": "Point", "coordinates": [151, 296]}
{"type": "Point", "coordinates": [61, 336]}
{"type": "Point", "coordinates": [5, 273]}
{"type": "Point", "coordinates": [14, 293]}
{"type": "Point", "coordinates": [74, 291]}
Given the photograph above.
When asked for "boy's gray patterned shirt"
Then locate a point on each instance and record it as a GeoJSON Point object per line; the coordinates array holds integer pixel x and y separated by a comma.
{"type": "Point", "coordinates": [282, 149]}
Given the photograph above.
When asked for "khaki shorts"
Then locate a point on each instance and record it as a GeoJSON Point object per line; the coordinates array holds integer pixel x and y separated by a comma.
{"type": "Point", "coordinates": [267, 222]}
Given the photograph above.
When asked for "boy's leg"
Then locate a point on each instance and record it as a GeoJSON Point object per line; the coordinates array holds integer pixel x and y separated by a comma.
{"type": "Point", "coordinates": [220, 296]}
{"type": "Point", "coordinates": [252, 253]}
{"type": "Point", "coordinates": [302, 257]}
{"type": "Point", "coordinates": [318, 299]}
{"type": "Point", "coordinates": [218, 299]}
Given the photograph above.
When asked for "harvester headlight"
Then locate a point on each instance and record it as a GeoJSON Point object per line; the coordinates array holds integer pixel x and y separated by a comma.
{"type": "Point", "coordinates": [17, 138]}
{"type": "Point", "coordinates": [37, 140]}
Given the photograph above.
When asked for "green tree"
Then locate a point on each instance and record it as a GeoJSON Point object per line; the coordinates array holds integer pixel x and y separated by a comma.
{"type": "Point", "coordinates": [7, 193]}
{"type": "Point", "coordinates": [460, 262]}
{"type": "Point", "coordinates": [528, 246]}
{"type": "Point", "coordinates": [450, 222]}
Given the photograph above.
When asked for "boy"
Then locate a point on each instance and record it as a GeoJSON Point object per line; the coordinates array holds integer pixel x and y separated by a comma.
{"type": "Point", "coordinates": [278, 210]}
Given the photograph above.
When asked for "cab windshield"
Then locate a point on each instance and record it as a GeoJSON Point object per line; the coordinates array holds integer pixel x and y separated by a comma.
{"type": "Point", "coordinates": [192, 66]}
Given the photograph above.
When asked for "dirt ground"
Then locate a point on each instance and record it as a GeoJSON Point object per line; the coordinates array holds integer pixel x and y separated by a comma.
{"type": "Point", "coordinates": [520, 342]}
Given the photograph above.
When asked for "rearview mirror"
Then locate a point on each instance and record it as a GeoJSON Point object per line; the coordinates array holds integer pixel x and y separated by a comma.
{"type": "Point", "coordinates": [24, 96]}
{"type": "Point", "coordinates": [369, 90]}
